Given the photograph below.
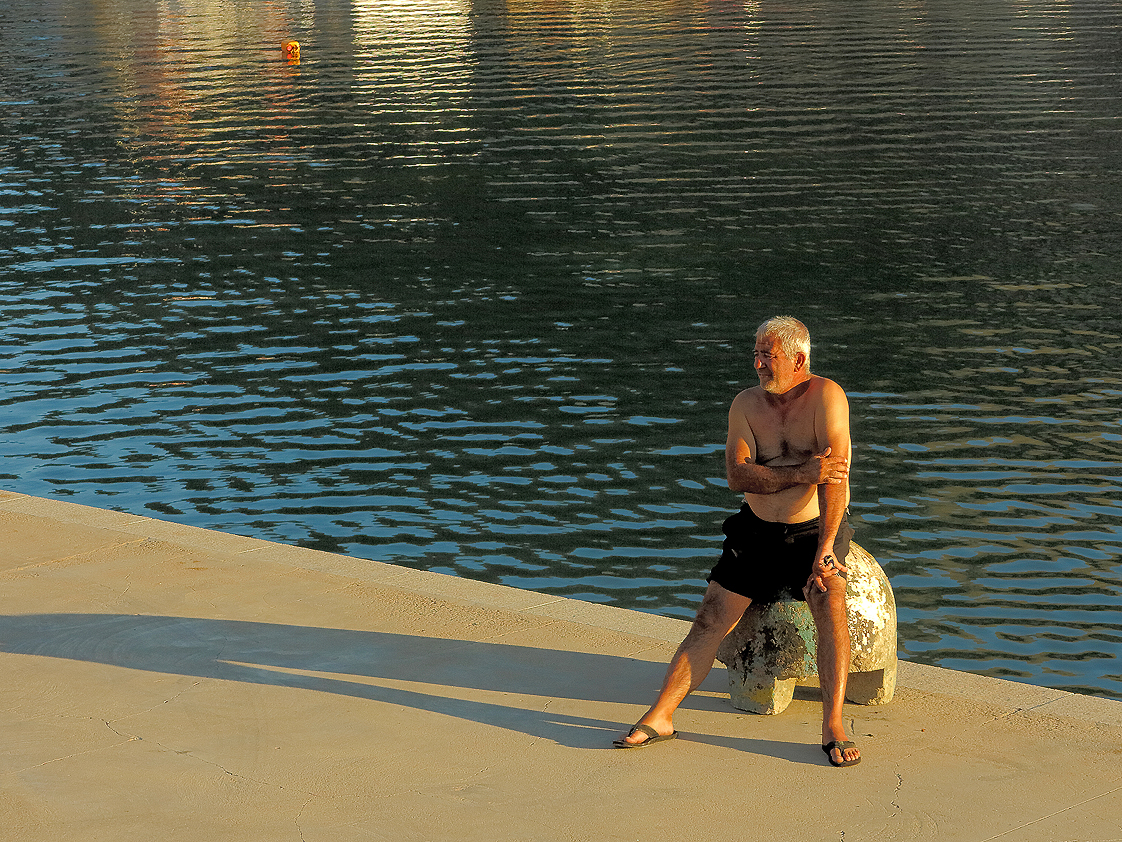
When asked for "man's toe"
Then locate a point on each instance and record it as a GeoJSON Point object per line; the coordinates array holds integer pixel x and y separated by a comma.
{"type": "Point", "coordinates": [842, 753]}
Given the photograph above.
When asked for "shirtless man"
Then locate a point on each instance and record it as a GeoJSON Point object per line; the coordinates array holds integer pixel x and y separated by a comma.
{"type": "Point", "coordinates": [788, 451]}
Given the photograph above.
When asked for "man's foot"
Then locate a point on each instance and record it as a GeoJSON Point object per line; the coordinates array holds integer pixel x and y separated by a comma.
{"type": "Point", "coordinates": [649, 734]}
{"type": "Point", "coordinates": [842, 753]}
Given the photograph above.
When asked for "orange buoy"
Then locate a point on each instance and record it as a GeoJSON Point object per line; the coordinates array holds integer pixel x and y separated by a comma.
{"type": "Point", "coordinates": [291, 51]}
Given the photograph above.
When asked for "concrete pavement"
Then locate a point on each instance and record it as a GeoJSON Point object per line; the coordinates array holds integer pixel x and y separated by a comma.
{"type": "Point", "coordinates": [164, 682]}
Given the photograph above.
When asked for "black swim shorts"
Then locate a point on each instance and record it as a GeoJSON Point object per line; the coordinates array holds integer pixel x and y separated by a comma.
{"type": "Point", "coordinates": [765, 561]}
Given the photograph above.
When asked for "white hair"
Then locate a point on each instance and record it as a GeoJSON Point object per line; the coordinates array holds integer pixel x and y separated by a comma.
{"type": "Point", "coordinates": [790, 334]}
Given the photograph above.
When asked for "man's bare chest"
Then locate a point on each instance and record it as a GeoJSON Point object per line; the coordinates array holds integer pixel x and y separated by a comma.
{"type": "Point", "coordinates": [784, 438]}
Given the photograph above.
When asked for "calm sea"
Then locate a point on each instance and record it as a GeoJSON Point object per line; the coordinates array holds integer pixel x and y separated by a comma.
{"type": "Point", "coordinates": [470, 287]}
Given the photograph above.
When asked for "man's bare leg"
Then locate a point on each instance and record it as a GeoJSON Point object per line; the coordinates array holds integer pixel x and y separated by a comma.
{"type": "Point", "coordinates": [718, 615]}
{"type": "Point", "coordinates": [829, 612]}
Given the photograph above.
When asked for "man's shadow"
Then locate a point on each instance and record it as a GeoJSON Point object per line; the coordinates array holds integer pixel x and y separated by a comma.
{"type": "Point", "coordinates": [352, 663]}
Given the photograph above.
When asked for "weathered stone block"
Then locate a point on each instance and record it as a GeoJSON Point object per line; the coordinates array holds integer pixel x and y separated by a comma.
{"type": "Point", "coordinates": [774, 645]}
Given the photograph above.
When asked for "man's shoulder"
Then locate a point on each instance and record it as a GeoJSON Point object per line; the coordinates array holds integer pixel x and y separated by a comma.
{"type": "Point", "coordinates": [748, 396]}
{"type": "Point", "coordinates": [825, 384]}
{"type": "Point", "coordinates": [828, 397]}
{"type": "Point", "coordinates": [827, 388]}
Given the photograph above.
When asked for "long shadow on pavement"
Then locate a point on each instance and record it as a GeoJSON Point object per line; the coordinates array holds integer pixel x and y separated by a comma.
{"type": "Point", "coordinates": [349, 662]}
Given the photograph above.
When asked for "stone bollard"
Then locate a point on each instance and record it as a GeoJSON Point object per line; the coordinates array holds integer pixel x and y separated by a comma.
{"type": "Point", "coordinates": [774, 645]}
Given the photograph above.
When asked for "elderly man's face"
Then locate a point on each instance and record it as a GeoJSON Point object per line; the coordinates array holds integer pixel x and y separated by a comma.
{"type": "Point", "coordinates": [775, 369]}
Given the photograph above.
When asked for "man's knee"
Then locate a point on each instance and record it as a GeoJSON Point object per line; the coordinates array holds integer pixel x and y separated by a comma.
{"type": "Point", "coordinates": [827, 604]}
{"type": "Point", "coordinates": [719, 612]}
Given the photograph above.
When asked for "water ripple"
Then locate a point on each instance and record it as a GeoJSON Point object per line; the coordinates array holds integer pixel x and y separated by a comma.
{"type": "Point", "coordinates": [469, 290]}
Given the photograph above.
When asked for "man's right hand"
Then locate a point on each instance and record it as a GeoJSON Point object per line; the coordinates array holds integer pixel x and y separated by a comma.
{"type": "Point", "coordinates": [826, 469]}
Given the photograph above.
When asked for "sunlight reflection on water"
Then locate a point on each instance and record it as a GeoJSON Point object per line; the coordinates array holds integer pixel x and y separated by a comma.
{"type": "Point", "coordinates": [470, 290]}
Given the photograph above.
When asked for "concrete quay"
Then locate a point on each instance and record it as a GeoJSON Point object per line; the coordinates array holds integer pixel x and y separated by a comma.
{"type": "Point", "coordinates": [164, 682]}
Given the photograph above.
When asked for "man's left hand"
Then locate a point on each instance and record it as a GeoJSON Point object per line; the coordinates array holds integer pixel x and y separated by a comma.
{"type": "Point", "coordinates": [826, 566]}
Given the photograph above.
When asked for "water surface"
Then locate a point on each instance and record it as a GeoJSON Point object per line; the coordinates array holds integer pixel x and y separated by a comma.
{"type": "Point", "coordinates": [470, 288]}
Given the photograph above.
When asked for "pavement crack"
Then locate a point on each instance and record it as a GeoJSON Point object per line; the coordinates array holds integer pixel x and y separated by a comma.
{"type": "Point", "coordinates": [166, 701]}
{"type": "Point", "coordinates": [50, 561]}
{"type": "Point", "coordinates": [187, 753]}
{"type": "Point", "coordinates": [544, 710]}
{"type": "Point", "coordinates": [894, 801]}
{"type": "Point", "coordinates": [128, 738]}
{"type": "Point", "coordinates": [1053, 814]}
{"type": "Point", "coordinates": [299, 816]}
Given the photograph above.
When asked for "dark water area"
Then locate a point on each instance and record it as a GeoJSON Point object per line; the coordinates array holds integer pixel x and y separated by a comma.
{"type": "Point", "coordinates": [470, 287]}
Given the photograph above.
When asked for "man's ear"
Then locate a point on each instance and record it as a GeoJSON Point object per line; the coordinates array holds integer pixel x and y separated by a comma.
{"type": "Point", "coordinates": [800, 361]}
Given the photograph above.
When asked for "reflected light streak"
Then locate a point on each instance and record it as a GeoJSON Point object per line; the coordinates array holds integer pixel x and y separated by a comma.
{"type": "Point", "coordinates": [412, 57]}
